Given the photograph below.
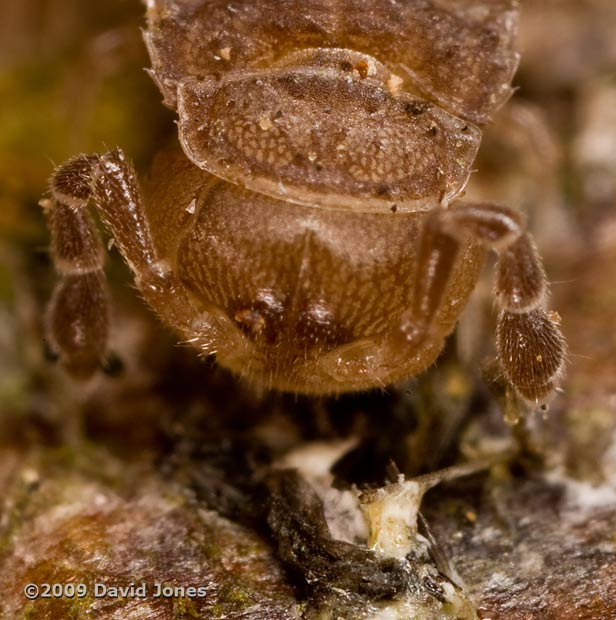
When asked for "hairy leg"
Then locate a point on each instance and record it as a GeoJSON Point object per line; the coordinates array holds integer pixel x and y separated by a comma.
{"type": "Point", "coordinates": [531, 348]}
{"type": "Point", "coordinates": [78, 319]}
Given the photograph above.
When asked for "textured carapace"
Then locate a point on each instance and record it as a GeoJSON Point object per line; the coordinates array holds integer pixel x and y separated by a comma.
{"type": "Point", "coordinates": [299, 298]}
{"type": "Point", "coordinates": [355, 104]}
{"type": "Point", "coordinates": [459, 53]}
{"type": "Point", "coordinates": [308, 235]}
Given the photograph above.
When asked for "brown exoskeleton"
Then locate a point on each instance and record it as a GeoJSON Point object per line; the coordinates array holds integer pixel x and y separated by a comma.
{"type": "Point", "coordinates": [308, 234]}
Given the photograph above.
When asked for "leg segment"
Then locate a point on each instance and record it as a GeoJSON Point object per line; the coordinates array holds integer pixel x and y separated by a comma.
{"type": "Point", "coordinates": [111, 182]}
{"type": "Point", "coordinates": [78, 315]}
{"type": "Point", "coordinates": [78, 320]}
{"type": "Point", "coordinates": [531, 348]}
